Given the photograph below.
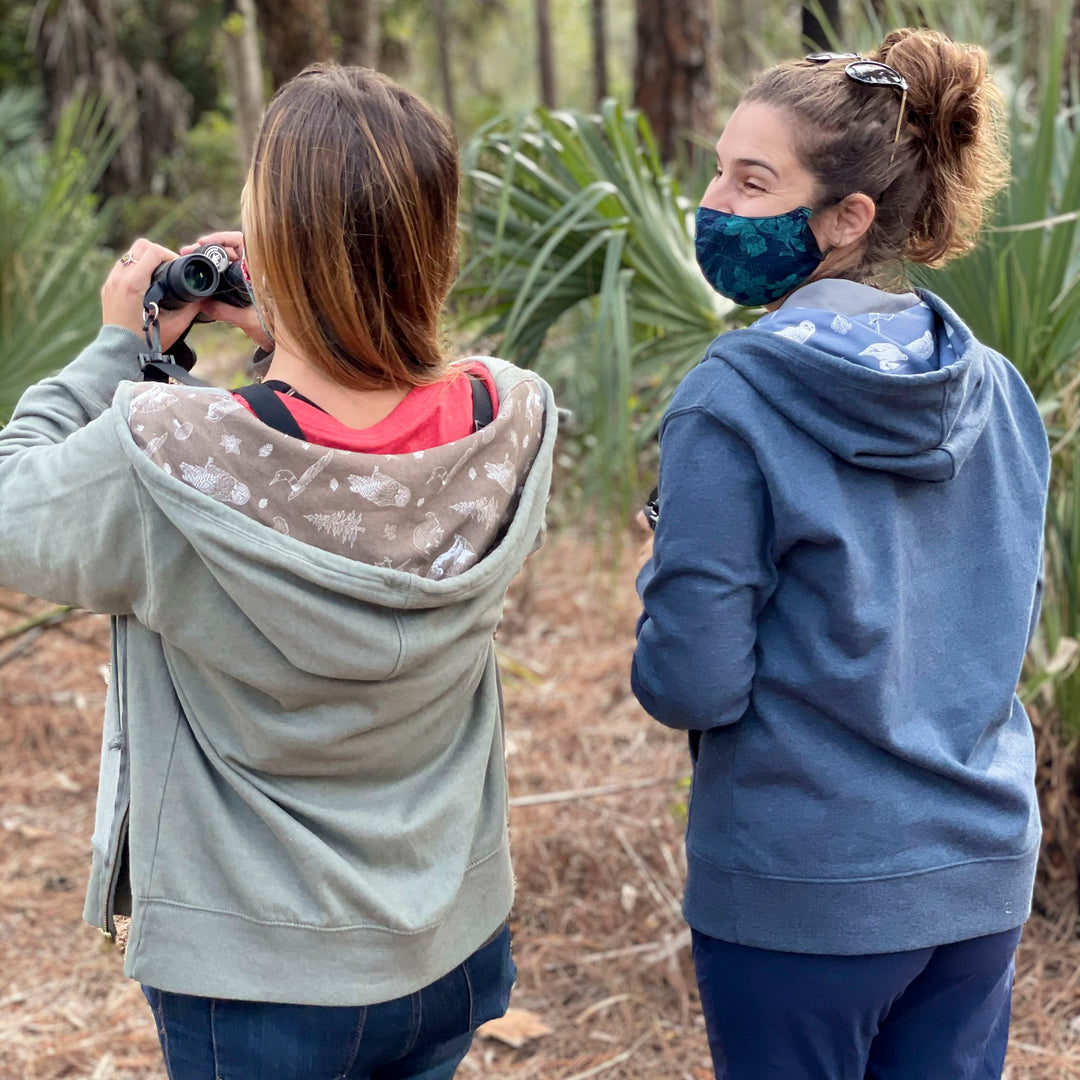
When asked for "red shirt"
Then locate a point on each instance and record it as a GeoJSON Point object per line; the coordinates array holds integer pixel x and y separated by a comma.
{"type": "Point", "coordinates": [426, 416]}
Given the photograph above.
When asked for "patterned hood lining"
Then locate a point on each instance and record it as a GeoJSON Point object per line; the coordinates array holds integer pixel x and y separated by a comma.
{"type": "Point", "coordinates": [433, 512]}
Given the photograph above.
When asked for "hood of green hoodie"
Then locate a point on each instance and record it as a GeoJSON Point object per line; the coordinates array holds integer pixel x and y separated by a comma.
{"type": "Point", "coordinates": [348, 566]}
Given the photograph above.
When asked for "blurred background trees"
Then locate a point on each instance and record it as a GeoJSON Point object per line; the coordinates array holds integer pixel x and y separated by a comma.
{"type": "Point", "coordinates": [586, 128]}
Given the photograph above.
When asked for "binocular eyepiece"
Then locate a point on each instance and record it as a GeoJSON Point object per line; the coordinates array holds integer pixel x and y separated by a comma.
{"type": "Point", "coordinates": [204, 273]}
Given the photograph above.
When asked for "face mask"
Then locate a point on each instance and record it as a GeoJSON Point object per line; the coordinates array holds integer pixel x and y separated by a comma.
{"type": "Point", "coordinates": [755, 260]}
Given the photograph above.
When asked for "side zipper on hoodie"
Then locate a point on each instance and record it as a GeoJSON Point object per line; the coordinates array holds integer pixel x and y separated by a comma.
{"type": "Point", "coordinates": [119, 674]}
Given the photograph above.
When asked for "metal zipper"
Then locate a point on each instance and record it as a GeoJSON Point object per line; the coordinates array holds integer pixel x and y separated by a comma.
{"type": "Point", "coordinates": [108, 926]}
{"type": "Point", "coordinates": [119, 674]}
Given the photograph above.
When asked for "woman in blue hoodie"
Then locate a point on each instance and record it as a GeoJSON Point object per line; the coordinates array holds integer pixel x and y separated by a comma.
{"type": "Point", "coordinates": [844, 583]}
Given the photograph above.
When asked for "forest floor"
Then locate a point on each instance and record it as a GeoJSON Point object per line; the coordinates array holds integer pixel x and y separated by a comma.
{"type": "Point", "coordinates": [601, 949]}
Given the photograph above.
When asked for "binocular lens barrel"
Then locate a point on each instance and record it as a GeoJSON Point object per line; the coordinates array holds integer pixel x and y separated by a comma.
{"type": "Point", "coordinates": [190, 277]}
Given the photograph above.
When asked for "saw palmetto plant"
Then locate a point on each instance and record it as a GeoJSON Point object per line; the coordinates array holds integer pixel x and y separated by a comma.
{"type": "Point", "coordinates": [581, 260]}
{"type": "Point", "coordinates": [51, 262]}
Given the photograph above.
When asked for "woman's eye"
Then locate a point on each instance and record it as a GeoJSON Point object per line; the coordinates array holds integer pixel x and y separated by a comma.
{"type": "Point", "coordinates": [751, 186]}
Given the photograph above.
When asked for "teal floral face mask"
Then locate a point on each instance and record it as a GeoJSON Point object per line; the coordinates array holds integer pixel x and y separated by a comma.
{"type": "Point", "coordinates": [755, 260]}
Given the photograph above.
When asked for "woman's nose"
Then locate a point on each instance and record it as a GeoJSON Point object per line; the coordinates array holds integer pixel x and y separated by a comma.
{"type": "Point", "coordinates": [717, 196]}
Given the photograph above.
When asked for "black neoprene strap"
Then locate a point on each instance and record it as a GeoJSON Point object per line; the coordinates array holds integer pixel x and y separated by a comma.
{"type": "Point", "coordinates": [270, 409]}
{"type": "Point", "coordinates": [482, 413]}
{"type": "Point", "coordinates": [273, 412]}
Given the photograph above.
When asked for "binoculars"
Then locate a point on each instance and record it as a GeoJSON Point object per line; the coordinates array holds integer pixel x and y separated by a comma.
{"type": "Point", "coordinates": [204, 273]}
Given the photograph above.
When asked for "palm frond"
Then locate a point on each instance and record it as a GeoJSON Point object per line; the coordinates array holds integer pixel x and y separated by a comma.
{"type": "Point", "coordinates": [580, 245]}
{"type": "Point", "coordinates": [50, 258]}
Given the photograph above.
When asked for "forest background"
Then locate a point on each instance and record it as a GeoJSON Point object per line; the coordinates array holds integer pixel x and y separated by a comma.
{"type": "Point", "coordinates": [586, 129]}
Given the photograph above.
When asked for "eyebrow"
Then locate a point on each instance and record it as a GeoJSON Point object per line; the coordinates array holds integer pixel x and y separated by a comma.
{"type": "Point", "coordinates": [751, 162]}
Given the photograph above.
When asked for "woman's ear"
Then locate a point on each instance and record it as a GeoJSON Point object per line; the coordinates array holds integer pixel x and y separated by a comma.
{"type": "Point", "coordinates": [843, 225]}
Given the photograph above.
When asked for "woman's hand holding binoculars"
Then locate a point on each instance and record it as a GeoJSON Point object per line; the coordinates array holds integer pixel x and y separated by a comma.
{"type": "Point", "coordinates": [218, 311]}
{"type": "Point", "coordinates": [127, 283]}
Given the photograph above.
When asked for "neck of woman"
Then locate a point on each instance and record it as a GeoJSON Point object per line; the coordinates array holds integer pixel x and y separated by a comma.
{"type": "Point", "coordinates": [351, 407]}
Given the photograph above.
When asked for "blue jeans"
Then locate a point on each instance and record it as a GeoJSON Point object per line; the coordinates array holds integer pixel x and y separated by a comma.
{"type": "Point", "coordinates": [931, 1014]}
{"type": "Point", "coordinates": [422, 1036]}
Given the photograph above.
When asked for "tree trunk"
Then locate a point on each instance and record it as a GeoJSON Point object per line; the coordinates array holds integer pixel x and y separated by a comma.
{"type": "Point", "coordinates": [244, 71]}
{"type": "Point", "coordinates": [295, 33]}
{"type": "Point", "coordinates": [599, 46]}
{"type": "Point", "coordinates": [357, 24]}
{"type": "Point", "coordinates": [742, 25]}
{"type": "Point", "coordinates": [78, 53]}
{"type": "Point", "coordinates": [1072, 50]}
{"type": "Point", "coordinates": [544, 54]}
{"type": "Point", "coordinates": [674, 70]}
{"type": "Point", "coordinates": [442, 31]}
{"type": "Point", "coordinates": [815, 36]}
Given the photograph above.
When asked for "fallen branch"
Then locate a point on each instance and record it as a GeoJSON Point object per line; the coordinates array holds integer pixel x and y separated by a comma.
{"type": "Point", "coordinates": [591, 792]}
{"type": "Point", "coordinates": [611, 1062]}
{"type": "Point", "coordinates": [54, 614]}
{"type": "Point", "coordinates": [23, 646]}
{"type": "Point", "coordinates": [660, 950]}
{"type": "Point", "coordinates": [1028, 1048]}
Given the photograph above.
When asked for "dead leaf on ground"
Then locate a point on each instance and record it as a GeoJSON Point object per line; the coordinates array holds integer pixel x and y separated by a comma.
{"type": "Point", "coordinates": [515, 1029]}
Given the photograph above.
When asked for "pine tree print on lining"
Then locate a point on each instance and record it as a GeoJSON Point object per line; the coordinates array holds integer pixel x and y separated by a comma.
{"type": "Point", "coordinates": [340, 525]}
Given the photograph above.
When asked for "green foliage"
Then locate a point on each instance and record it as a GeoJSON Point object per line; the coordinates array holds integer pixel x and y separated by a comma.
{"type": "Point", "coordinates": [50, 265]}
{"type": "Point", "coordinates": [202, 181]}
{"type": "Point", "coordinates": [575, 229]}
{"type": "Point", "coordinates": [1020, 292]}
{"type": "Point", "coordinates": [1020, 289]}
{"type": "Point", "coordinates": [17, 64]}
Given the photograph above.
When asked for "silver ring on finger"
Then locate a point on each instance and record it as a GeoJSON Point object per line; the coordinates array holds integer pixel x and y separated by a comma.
{"type": "Point", "coordinates": [127, 259]}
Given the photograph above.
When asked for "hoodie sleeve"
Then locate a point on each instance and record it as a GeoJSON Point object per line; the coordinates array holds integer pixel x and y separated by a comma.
{"type": "Point", "coordinates": [70, 523]}
{"type": "Point", "coordinates": [708, 579]}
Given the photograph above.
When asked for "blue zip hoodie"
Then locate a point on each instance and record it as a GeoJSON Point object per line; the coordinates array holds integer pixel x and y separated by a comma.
{"type": "Point", "coordinates": [843, 587]}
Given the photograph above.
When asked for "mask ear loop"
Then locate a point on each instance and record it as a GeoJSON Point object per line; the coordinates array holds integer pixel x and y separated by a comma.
{"type": "Point", "coordinates": [899, 121]}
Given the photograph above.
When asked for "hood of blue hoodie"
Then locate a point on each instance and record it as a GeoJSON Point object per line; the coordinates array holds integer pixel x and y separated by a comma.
{"type": "Point", "coordinates": [890, 383]}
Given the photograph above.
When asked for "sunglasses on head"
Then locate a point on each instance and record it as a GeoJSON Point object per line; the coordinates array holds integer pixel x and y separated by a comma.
{"type": "Point", "coordinates": [869, 73]}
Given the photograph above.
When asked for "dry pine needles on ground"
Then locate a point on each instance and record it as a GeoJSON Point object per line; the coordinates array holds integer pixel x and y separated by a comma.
{"type": "Point", "coordinates": [602, 952]}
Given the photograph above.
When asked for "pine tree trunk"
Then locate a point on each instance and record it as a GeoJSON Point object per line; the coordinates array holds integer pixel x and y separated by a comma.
{"type": "Point", "coordinates": [357, 24]}
{"type": "Point", "coordinates": [1072, 50]}
{"type": "Point", "coordinates": [743, 23]}
{"type": "Point", "coordinates": [78, 53]}
{"type": "Point", "coordinates": [442, 30]}
{"type": "Point", "coordinates": [674, 70]}
{"type": "Point", "coordinates": [243, 69]}
{"type": "Point", "coordinates": [599, 46]}
{"type": "Point", "coordinates": [544, 54]}
{"type": "Point", "coordinates": [814, 33]}
{"type": "Point", "coordinates": [295, 33]}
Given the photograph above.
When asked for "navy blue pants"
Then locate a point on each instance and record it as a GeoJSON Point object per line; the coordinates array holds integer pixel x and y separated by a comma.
{"type": "Point", "coordinates": [422, 1036]}
{"type": "Point", "coordinates": [932, 1014]}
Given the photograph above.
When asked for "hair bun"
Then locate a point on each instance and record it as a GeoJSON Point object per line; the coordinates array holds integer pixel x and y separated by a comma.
{"type": "Point", "coordinates": [954, 111]}
{"type": "Point", "coordinates": [947, 86]}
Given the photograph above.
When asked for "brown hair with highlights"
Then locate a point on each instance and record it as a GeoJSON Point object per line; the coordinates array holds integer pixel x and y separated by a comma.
{"type": "Point", "coordinates": [350, 225]}
{"type": "Point", "coordinates": [933, 187]}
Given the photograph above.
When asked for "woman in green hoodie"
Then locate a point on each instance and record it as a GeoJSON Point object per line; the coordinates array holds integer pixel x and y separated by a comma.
{"type": "Point", "coordinates": [302, 799]}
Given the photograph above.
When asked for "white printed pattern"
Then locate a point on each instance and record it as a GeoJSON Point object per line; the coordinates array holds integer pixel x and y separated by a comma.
{"type": "Point", "coordinates": [379, 488]}
{"type": "Point", "coordinates": [921, 348]}
{"type": "Point", "coordinates": [214, 481]}
{"type": "Point", "coordinates": [457, 558]}
{"type": "Point", "coordinates": [889, 357]}
{"type": "Point", "coordinates": [428, 534]}
{"type": "Point", "coordinates": [341, 525]}
{"type": "Point", "coordinates": [803, 332]}
{"type": "Point", "coordinates": [484, 511]}
{"type": "Point", "coordinates": [502, 473]}
{"type": "Point", "coordinates": [297, 487]}
{"type": "Point", "coordinates": [152, 401]}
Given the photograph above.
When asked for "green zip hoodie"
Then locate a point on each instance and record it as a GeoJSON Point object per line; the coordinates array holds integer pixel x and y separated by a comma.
{"type": "Point", "coordinates": [302, 793]}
